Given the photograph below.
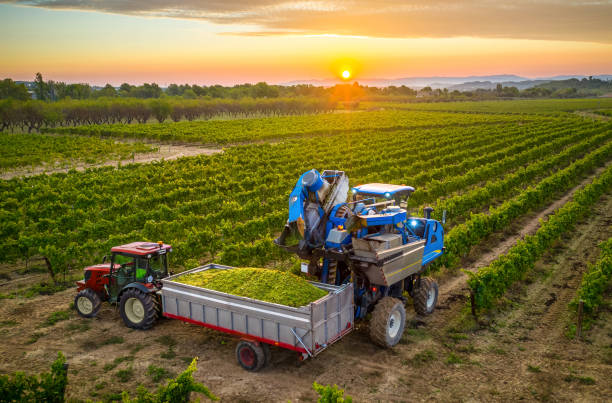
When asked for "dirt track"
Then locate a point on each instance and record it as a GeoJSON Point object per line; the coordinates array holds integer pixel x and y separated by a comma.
{"type": "Point", "coordinates": [439, 358]}
{"type": "Point", "coordinates": [165, 151]}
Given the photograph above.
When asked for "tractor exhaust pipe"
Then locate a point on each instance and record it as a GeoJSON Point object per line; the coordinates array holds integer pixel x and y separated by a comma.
{"type": "Point", "coordinates": [427, 212]}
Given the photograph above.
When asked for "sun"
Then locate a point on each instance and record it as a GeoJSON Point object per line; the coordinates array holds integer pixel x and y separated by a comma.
{"type": "Point", "coordinates": [346, 74]}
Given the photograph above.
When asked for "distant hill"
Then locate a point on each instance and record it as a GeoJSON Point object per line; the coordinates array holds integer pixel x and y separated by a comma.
{"type": "Point", "coordinates": [414, 82]}
{"type": "Point", "coordinates": [489, 85]}
{"type": "Point", "coordinates": [467, 83]}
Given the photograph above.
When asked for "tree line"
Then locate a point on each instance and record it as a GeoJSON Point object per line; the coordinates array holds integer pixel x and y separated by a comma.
{"type": "Point", "coordinates": [33, 115]}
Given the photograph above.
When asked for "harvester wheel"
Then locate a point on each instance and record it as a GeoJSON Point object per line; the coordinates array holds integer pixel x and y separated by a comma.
{"type": "Point", "coordinates": [251, 356]}
{"type": "Point", "coordinates": [138, 310]}
{"type": "Point", "coordinates": [425, 297]}
{"type": "Point", "coordinates": [87, 303]}
{"type": "Point", "coordinates": [388, 322]}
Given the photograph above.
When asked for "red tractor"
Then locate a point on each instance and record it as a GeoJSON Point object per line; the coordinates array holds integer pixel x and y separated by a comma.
{"type": "Point", "coordinates": [131, 279]}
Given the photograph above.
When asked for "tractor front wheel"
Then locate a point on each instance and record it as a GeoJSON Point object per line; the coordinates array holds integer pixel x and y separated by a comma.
{"type": "Point", "coordinates": [87, 303]}
{"type": "Point", "coordinates": [388, 322]}
{"type": "Point", "coordinates": [425, 297]}
{"type": "Point", "coordinates": [138, 310]}
{"type": "Point", "coordinates": [251, 356]}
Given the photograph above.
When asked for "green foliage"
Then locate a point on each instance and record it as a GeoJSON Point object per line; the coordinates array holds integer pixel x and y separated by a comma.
{"type": "Point", "coordinates": [36, 114]}
{"type": "Point", "coordinates": [261, 284]}
{"type": "Point", "coordinates": [277, 127]}
{"type": "Point", "coordinates": [526, 106]}
{"type": "Point", "coordinates": [21, 150]}
{"type": "Point", "coordinates": [330, 394]}
{"type": "Point", "coordinates": [229, 207]}
{"type": "Point", "coordinates": [46, 387]}
{"type": "Point", "coordinates": [491, 282]}
{"type": "Point", "coordinates": [595, 281]}
{"type": "Point", "coordinates": [50, 387]}
{"type": "Point", "coordinates": [10, 89]}
{"type": "Point", "coordinates": [176, 390]}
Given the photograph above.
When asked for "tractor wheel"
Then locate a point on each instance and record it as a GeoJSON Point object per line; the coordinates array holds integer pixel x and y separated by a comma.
{"type": "Point", "coordinates": [388, 321]}
{"type": "Point", "coordinates": [425, 297]}
{"type": "Point", "coordinates": [250, 356]}
{"type": "Point", "coordinates": [87, 303]}
{"type": "Point", "coordinates": [138, 310]}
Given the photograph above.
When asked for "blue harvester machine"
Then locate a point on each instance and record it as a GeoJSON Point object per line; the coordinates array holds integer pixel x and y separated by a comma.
{"type": "Point", "coordinates": [370, 241]}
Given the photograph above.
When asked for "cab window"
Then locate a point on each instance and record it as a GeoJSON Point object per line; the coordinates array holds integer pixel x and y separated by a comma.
{"type": "Point", "coordinates": [158, 265]}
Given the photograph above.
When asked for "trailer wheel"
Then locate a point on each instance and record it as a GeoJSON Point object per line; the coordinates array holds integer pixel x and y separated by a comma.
{"type": "Point", "coordinates": [250, 356]}
{"type": "Point", "coordinates": [87, 303]}
{"type": "Point", "coordinates": [138, 310]}
{"type": "Point", "coordinates": [267, 353]}
{"type": "Point", "coordinates": [388, 322]}
{"type": "Point", "coordinates": [425, 297]}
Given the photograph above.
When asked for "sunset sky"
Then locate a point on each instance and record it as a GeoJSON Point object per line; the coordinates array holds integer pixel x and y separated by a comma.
{"type": "Point", "coordinates": [229, 41]}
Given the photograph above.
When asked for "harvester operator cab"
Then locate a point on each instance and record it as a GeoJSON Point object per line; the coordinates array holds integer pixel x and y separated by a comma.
{"type": "Point", "coordinates": [382, 194]}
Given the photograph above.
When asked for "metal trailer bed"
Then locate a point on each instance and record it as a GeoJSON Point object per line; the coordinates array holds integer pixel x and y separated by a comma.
{"type": "Point", "coordinates": [308, 329]}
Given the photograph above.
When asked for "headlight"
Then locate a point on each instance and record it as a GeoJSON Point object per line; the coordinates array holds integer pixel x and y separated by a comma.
{"type": "Point", "coordinates": [388, 195]}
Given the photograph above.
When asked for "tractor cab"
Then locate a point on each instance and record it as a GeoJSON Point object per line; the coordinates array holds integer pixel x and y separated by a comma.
{"type": "Point", "coordinates": [137, 262]}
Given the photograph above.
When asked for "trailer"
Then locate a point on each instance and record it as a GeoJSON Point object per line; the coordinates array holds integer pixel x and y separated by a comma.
{"type": "Point", "coordinates": [308, 330]}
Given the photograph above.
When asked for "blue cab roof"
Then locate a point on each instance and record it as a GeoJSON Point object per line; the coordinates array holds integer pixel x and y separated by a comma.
{"type": "Point", "coordinates": [383, 190]}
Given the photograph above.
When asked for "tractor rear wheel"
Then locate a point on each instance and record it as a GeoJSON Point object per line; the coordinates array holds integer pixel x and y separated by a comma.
{"type": "Point", "coordinates": [251, 356]}
{"type": "Point", "coordinates": [87, 303]}
{"type": "Point", "coordinates": [139, 310]}
{"type": "Point", "coordinates": [388, 322]}
{"type": "Point", "coordinates": [425, 297]}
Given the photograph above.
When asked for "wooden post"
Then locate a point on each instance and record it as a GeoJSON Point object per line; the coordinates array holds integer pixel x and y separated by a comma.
{"type": "Point", "coordinates": [473, 302]}
{"type": "Point", "coordinates": [580, 315]}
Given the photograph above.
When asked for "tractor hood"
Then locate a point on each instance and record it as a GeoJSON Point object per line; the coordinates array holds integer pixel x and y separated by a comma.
{"type": "Point", "coordinates": [104, 267]}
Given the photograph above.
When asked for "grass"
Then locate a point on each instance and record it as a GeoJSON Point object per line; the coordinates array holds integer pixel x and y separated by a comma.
{"type": "Point", "coordinates": [112, 365]}
{"type": "Point", "coordinates": [423, 357]}
{"type": "Point", "coordinates": [99, 386]}
{"type": "Point", "coordinates": [585, 380]}
{"type": "Point", "coordinates": [169, 342]}
{"type": "Point", "coordinates": [454, 359]}
{"type": "Point", "coordinates": [112, 340]}
{"type": "Point", "coordinates": [533, 368]}
{"type": "Point", "coordinates": [166, 340]}
{"type": "Point", "coordinates": [82, 325]}
{"type": "Point", "coordinates": [55, 317]}
{"type": "Point", "coordinates": [168, 354]}
{"type": "Point", "coordinates": [497, 350]}
{"type": "Point", "coordinates": [125, 375]}
{"type": "Point", "coordinates": [34, 337]}
{"type": "Point", "coordinates": [135, 348]}
{"type": "Point", "coordinates": [8, 323]}
{"type": "Point", "coordinates": [158, 373]}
